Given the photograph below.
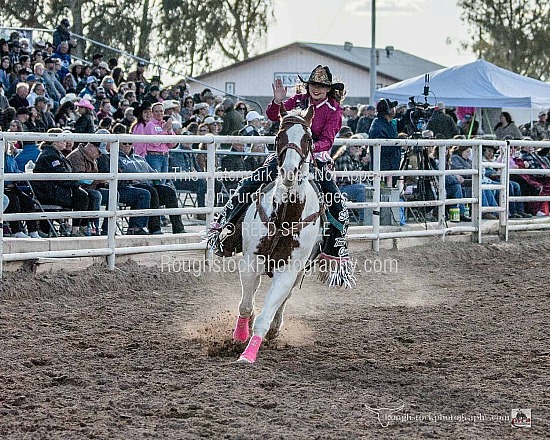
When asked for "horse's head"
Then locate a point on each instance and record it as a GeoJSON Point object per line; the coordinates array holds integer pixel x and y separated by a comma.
{"type": "Point", "coordinates": [294, 145]}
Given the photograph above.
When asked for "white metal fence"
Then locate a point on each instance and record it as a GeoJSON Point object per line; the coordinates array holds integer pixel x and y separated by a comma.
{"type": "Point", "coordinates": [111, 250]}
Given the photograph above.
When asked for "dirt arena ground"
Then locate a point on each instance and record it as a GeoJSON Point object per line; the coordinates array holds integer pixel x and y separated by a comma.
{"type": "Point", "coordinates": [452, 337]}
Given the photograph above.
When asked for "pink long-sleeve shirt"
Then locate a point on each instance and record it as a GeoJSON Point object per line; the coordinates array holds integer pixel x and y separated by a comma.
{"type": "Point", "coordinates": [154, 127]}
{"type": "Point", "coordinates": [326, 123]}
{"type": "Point", "coordinates": [140, 148]}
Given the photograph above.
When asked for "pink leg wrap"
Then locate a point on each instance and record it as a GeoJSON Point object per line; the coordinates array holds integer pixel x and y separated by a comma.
{"type": "Point", "coordinates": [249, 355]}
{"type": "Point", "coordinates": [241, 330]}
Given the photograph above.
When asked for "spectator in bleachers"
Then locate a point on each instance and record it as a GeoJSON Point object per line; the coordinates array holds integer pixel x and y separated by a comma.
{"type": "Point", "coordinates": [21, 77]}
{"type": "Point", "coordinates": [52, 65]}
{"type": "Point", "coordinates": [74, 76]}
{"type": "Point", "coordinates": [152, 96]}
{"type": "Point", "coordinates": [161, 195]}
{"type": "Point", "coordinates": [242, 108]}
{"type": "Point", "coordinates": [187, 109]}
{"type": "Point", "coordinates": [118, 76]}
{"type": "Point", "coordinates": [253, 162]}
{"type": "Point", "coordinates": [186, 162]}
{"type": "Point", "coordinates": [66, 116]}
{"type": "Point", "coordinates": [15, 51]}
{"type": "Point", "coordinates": [157, 152]}
{"type": "Point", "coordinates": [461, 159]}
{"type": "Point", "coordinates": [143, 117]}
{"type": "Point", "coordinates": [516, 209]}
{"type": "Point", "coordinates": [66, 193]}
{"type": "Point", "coordinates": [139, 74]}
{"type": "Point", "coordinates": [540, 130]}
{"type": "Point", "coordinates": [6, 75]}
{"type": "Point", "coordinates": [83, 159]}
{"type": "Point", "coordinates": [43, 116]}
{"type": "Point", "coordinates": [233, 162]}
{"type": "Point", "coordinates": [4, 103]}
{"type": "Point", "coordinates": [353, 118]}
{"type": "Point", "coordinates": [214, 124]}
{"type": "Point", "coordinates": [128, 119]}
{"type": "Point", "coordinates": [37, 90]}
{"type": "Point", "coordinates": [104, 109]}
{"type": "Point", "coordinates": [135, 198]}
{"type": "Point", "coordinates": [253, 126]}
{"type": "Point", "coordinates": [34, 124]}
{"type": "Point", "coordinates": [506, 127]}
{"type": "Point", "coordinates": [382, 128]}
{"type": "Point", "coordinates": [22, 115]}
{"type": "Point", "coordinates": [352, 158]}
{"type": "Point", "coordinates": [64, 57]}
{"type": "Point", "coordinates": [102, 71]}
{"type": "Point", "coordinates": [62, 33]}
{"type": "Point", "coordinates": [4, 48]}
{"type": "Point", "coordinates": [200, 111]}
{"type": "Point", "coordinates": [25, 61]}
{"type": "Point", "coordinates": [208, 97]}
{"type": "Point", "coordinates": [85, 122]}
{"type": "Point", "coordinates": [118, 114]}
{"type": "Point", "coordinates": [19, 197]}
{"type": "Point", "coordinates": [19, 99]}
{"type": "Point", "coordinates": [233, 121]}
{"type": "Point", "coordinates": [90, 88]}
{"type": "Point", "coordinates": [442, 125]}
{"type": "Point", "coordinates": [29, 152]}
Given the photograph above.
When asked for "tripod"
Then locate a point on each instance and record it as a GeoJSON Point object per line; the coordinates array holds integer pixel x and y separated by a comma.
{"type": "Point", "coordinates": [426, 186]}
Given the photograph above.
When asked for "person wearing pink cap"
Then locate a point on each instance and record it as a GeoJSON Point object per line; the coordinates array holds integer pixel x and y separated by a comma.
{"type": "Point", "coordinates": [85, 122]}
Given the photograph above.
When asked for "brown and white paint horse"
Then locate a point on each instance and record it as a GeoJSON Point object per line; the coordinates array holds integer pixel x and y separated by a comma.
{"type": "Point", "coordinates": [280, 232]}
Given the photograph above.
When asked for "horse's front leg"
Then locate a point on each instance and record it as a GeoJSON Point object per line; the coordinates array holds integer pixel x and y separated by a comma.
{"type": "Point", "coordinates": [277, 322]}
{"type": "Point", "coordinates": [278, 293]}
{"type": "Point", "coordinates": [250, 281]}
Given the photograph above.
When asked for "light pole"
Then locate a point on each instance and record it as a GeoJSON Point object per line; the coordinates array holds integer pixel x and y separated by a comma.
{"type": "Point", "coordinates": [373, 54]}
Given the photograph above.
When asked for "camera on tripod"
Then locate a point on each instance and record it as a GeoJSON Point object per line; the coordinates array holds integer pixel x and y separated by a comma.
{"type": "Point", "coordinates": [419, 113]}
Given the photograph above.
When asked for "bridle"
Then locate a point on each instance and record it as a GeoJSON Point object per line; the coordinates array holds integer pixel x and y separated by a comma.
{"type": "Point", "coordinates": [304, 151]}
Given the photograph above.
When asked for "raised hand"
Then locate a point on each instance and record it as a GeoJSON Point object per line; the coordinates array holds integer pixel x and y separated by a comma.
{"type": "Point", "coordinates": [279, 91]}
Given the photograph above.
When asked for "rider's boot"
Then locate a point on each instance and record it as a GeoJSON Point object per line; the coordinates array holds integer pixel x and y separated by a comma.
{"type": "Point", "coordinates": [225, 233]}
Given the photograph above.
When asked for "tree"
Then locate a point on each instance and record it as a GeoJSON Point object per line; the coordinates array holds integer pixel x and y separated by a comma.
{"type": "Point", "coordinates": [193, 35]}
{"type": "Point", "coordinates": [512, 34]}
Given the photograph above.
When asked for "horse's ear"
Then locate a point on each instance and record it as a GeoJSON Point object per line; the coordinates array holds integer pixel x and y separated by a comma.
{"type": "Point", "coordinates": [282, 110]}
{"type": "Point", "coordinates": [309, 115]}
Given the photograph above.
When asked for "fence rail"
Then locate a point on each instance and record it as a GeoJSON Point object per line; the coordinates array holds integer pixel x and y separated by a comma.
{"type": "Point", "coordinates": [374, 177]}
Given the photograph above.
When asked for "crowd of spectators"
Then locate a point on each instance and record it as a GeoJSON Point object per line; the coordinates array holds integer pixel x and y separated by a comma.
{"type": "Point", "coordinates": [388, 120]}
{"type": "Point", "coordinates": [43, 88]}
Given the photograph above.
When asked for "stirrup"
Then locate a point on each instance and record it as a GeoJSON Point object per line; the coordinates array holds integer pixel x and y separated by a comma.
{"type": "Point", "coordinates": [336, 271]}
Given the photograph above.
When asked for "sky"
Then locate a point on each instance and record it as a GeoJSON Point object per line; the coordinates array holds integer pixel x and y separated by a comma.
{"type": "Point", "coordinates": [421, 27]}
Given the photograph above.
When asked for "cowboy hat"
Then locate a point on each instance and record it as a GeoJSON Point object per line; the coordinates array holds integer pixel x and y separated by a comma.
{"type": "Point", "coordinates": [69, 97]}
{"type": "Point", "coordinates": [322, 75]}
{"type": "Point", "coordinates": [85, 103]}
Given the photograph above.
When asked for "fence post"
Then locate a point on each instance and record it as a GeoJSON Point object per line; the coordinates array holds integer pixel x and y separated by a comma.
{"type": "Point", "coordinates": [2, 161]}
{"type": "Point", "coordinates": [376, 196]}
{"type": "Point", "coordinates": [504, 194]}
{"type": "Point", "coordinates": [442, 192]}
{"type": "Point", "coordinates": [113, 204]}
{"type": "Point", "coordinates": [476, 189]}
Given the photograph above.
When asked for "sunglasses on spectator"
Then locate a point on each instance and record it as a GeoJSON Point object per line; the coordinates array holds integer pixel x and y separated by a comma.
{"type": "Point", "coordinates": [125, 144]}
{"type": "Point", "coordinates": [202, 130]}
{"type": "Point", "coordinates": [242, 108]}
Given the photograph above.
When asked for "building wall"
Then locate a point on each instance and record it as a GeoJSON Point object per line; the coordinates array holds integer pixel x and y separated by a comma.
{"type": "Point", "coordinates": [254, 79]}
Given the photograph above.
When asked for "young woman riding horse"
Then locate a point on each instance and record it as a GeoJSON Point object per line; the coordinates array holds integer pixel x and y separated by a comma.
{"type": "Point", "coordinates": [325, 95]}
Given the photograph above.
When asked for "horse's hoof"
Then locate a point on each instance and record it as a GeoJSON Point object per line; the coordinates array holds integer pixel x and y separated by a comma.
{"type": "Point", "coordinates": [241, 332]}
{"type": "Point", "coordinates": [244, 360]}
{"type": "Point", "coordinates": [251, 351]}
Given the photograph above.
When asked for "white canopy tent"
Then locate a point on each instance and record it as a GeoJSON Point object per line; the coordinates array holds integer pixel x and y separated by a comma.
{"type": "Point", "coordinates": [476, 84]}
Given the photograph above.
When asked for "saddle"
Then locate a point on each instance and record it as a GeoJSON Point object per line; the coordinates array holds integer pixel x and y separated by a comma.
{"type": "Point", "coordinates": [229, 240]}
